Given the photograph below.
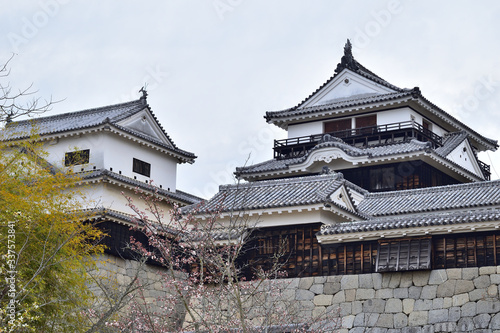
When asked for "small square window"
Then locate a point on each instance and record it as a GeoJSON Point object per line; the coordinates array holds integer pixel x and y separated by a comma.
{"type": "Point", "coordinates": [141, 167]}
{"type": "Point", "coordinates": [77, 157]}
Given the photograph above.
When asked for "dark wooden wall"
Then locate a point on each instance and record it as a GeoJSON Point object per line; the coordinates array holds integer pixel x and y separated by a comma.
{"type": "Point", "coordinates": [300, 254]}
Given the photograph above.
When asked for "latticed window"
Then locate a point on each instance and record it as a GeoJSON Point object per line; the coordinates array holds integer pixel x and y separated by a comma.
{"type": "Point", "coordinates": [403, 255]}
{"type": "Point", "coordinates": [77, 157]}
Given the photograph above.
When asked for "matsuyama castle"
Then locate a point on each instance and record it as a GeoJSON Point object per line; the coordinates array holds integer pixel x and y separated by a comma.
{"type": "Point", "coordinates": [371, 178]}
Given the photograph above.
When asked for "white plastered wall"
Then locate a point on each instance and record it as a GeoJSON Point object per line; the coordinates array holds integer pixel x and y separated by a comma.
{"type": "Point", "coordinates": [108, 150]}
{"type": "Point", "coordinates": [383, 118]}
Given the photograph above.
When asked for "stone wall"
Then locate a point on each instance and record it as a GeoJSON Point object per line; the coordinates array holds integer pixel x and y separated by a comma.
{"type": "Point", "coordinates": [114, 275]}
{"type": "Point", "coordinates": [448, 300]}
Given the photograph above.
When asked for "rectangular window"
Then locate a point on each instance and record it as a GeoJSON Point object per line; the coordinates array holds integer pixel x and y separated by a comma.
{"type": "Point", "coordinates": [426, 125]}
{"type": "Point", "coordinates": [141, 167]}
{"type": "Point", "coordinates": [337, 125]}
{"type": "Point", "coordinates": [366, 121]}
{"type": "Point", "coordinates": [77, 157]}
{"type": "Point", "coordinates": [403, 255]}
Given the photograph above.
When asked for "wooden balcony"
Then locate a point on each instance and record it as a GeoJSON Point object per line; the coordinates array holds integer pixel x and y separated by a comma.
{"type": "Point", "coordinates": [485, 168]}
{"type": "Point", "coordinates": [359, 137]}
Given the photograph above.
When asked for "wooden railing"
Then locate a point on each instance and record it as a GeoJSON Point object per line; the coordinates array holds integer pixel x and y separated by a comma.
{"type": "Point", "coordinates": [363, 136]}
{"type": "Point", "coordinates": [485, 168]}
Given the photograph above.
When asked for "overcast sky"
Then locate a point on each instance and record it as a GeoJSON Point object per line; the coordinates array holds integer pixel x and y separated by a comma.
{"type": "Point", "coordinates": [214, 67]}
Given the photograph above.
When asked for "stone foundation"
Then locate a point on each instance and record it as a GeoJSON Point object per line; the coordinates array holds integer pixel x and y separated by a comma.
{"type": "Point", "coordinates": [448, 300]}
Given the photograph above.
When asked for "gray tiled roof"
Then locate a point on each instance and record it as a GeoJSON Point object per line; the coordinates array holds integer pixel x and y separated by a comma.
{"type": "Point", "coordinates": [81, 120]}
{"type": "Point", "coordinates": [177, 195]}
{"type": "Point", "coordinates": [460, 196]}
{"type": "Point", "coordinates": [370, 152]}
{"type": "Point", "coordinates": [404, 222]}
{"type": "Point", "coordinates": [451, 141]}
{"type": "Point", "coordinates": [337, 104]}
{"type": "Point", "coordinates": [285, 192]}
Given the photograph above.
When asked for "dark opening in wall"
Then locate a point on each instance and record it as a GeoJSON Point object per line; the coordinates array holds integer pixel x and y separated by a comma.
{"type": "Point", "coordinates": [77, 157]}
{"type": "Point", "coordinates": [141, 167]}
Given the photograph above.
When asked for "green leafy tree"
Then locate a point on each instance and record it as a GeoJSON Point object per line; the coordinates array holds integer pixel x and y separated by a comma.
{"type": "Point", "coordinates": [45, 240]}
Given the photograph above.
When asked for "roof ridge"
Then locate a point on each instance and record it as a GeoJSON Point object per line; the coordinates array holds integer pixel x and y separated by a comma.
{"type": "Point", "coordinates": [68, 114]}
{"type": "Point", "coordinates": [280, 181]}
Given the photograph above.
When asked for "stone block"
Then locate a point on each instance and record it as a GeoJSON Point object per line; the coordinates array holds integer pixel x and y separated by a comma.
{"type": "Point", "coordinates": [438, 316]}
{"type": "Point", "coordinates": [303, 295]}
{"type": "Point", "coordinates": [318, 312]}
{"type": "Point", "coordinates": [359, 320]}
{"type": "Point", "coordinates": [492, 290]}
{"type": "Point", "coordinates": [395, 280]}
{"type": "Point", "coordinates": [345, 308]}
{"type": "Point", "coordinates": [357, 307]}
{"type": "Point", "coordinates": [470, 273]}
{"type": "Point", "coordinates": [454, 273]}
{"type": "Point", "coordinates": [371, 319]}
{"type": "Point", "coordinates": [385, 320]}
{"type": "Point", "coordinates": [323, 300]}
{"type": "Point", "coordinates": [487, 270]}
{"type": "Point", "coordinates": [454, 313]}
{"type": "Point", "coordinates": [414, 292]}
{"type": "Point", "coordinates": [446, 289]}
{"type": "Point", "coordinates": [488, 306]}
{"type": "Point", "coordinates": [477, 295]}
{"type": "Point", "coordinates": [437, 303]}
{"type": "Point", "coordinates": [377, 280]}
{"type": "Point", "coordinates": [438, 276]}
{"type": "Point", "coordinates": [348, 321]}
{"type": "Point", "coordinates": [350, 295]}
{"type": "Point", "coordinates": [319, 279]}
{"type": "Point", "coordinates": [468, 309]}
{"type": "Point", "coordinates": [429, 292]}
{"type": "Point", "coordinates": [401, 293]}
{"type": "Point", "coordinates": [400, 320]}
{"type": "Point", "coordinates": [384, 293]}
{"type": "Point", "coordinates": [292, 283]}
{"type": "Point", "coordinates": [393, 305]}
{"type": "Point", "coordinates": [349, 282]}
{"type": "Point", "coordinates": [420, 278]}
{"type": "Point", "coordinates": [465, 324]}
{"type": "Point", "coordinates": [406, 280]}
{"type": "Point", "coordinates": [464, 286]}
{"type": "Point", "coordinates": [422, 305]}
{"type": "Point", "coordinates": [306, 283]}
{"type": "Point", "coordinates": [461, 299]}
{"type": "Point", "coordinates": [331, 288]}
{"type": "Point", "coordinates": [482, 281]}
{"type": "Point", "coordinates": [495, 322]}
{"type": "Point", "coordinates": [418, 318]}
{"type": "Point", "coordinates": [482, 320]}
{"type": "Point", "coordinates": [338, 297]}
{"type": "Point", "coordinates": [317, 289]}
{"type": "Point", "coordinates": [366, 281]}
{"type": "Point", "coordinates": [495, 278]}
{"type": "Point", "coordinates": [334, 278]}
{"type": "Point", "coordinates": [408, 305]}
{"type": "Point", "coordinates": [386, 279]}
{"type": "Point", "coordinates": [374, 305]}
{"type": "Point", "coordinates": [362, 294]}
{"type": "Point", "coordinates": [447, 302]}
